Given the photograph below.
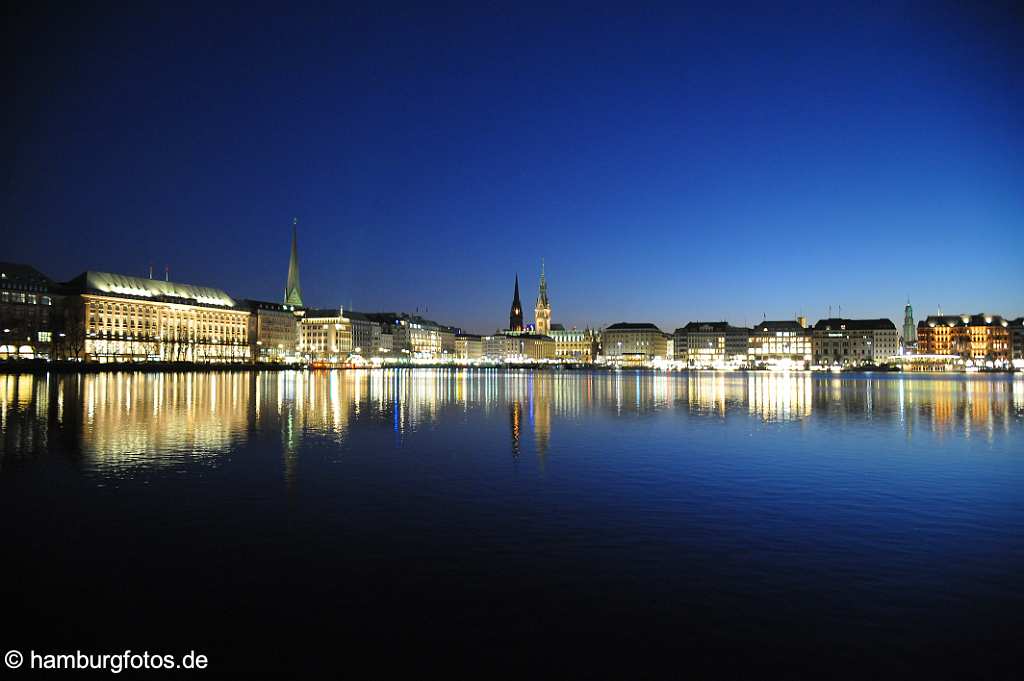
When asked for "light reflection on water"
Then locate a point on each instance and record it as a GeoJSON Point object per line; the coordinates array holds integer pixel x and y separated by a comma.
{"type": "Point", "coordinates": [124, 420]}
{"type": "Point", "coordinates": [763, 516]}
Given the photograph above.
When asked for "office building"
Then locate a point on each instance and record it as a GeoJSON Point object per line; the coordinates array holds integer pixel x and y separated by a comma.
{"type": "Point", "coordinates": [325, 336]}
{"type": "Point", "coordinates": [273, 333]}
{"type": "Point", "coordinates": [780, 344]}
{"type": "Point", "coordinates": [133, 319]}
{"type": "Point", "coordinates": [854, 342]}
{"type": "Point", "coordinates": [634, 343]}
{"type": "Point", "coordinates": [711, 344]}
{"type": "Point", "coordinates": [27, 315]}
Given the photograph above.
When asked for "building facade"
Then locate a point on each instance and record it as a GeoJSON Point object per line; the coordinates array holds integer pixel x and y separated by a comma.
{"type": "Point", "coordinates": [518, 347]}
{"type": "Point", "coordinates": [366, 333]}
{"type": "Point", "coordinates": [854, 342]}
{"type": "Point", "coordinates": [780, 343]}
{"type": "Point", "coordinates": [711, 344]}
{"type": "Point", "coordinates": [979, 337]}
{"type": "Point", "coordinates": [325, 335]}
{"type": "Point", "coordinates": [468, 346]}
{"type": "Point", "coordinates": [134, 319]}
{"type": "Point", "coordinates": [574, 345]}
{"type": "Point", "coordinates": [634, 343]}
{"type": "Point", "coordinates": [273, 333]}
{"type": "Point", "coordinates": [27, 313]}
{"type": "Point", "coordinates": [413, 337]}
{"type": "Point", "coordinates": [1016, 328]}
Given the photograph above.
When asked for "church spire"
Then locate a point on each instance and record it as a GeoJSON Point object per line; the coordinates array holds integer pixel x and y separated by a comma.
{"type": "Point", "coordinates": [515, 316]}
{"type": "Point", "coordinates": [293, 290]}
{"type": "Point", "coordinates": [542, 297]}
{"type": "Point", "coordinates": [542, 311]}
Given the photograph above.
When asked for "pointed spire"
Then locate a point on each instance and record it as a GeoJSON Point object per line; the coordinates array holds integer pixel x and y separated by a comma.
{"type": "Point", "coordinates": [542, 296]}
{"type": "Point", "coordinates": [293, 289]}
{"type": "Point", "coordinates": [515, 317]}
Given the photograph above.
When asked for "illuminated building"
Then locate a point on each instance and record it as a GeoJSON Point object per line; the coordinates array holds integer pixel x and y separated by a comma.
{"type": "Point", "coordinates": [413, 337]}
{"type": "Point", "coordinates": [981, 337]}
{"type": "Point", "coordinates": [780, 343]}
{"type": "Point", "coordinates": [468, 346]}
{"type": "Point", "coordinates": [1016, 328]}
{"type": "Point", "coordinates": [273, 330]}
{"type": "Point", "coordinates": [293, 289]}
{"type": "Point", "coordinates": [325, 335]}
{"type": "Point", "coordinates": [853, 342]}
{"type": "Point", "coordinates": [542, 312]}
{"type": "Point", "coordinates": [136, 319]}
{"type": "Point", "coordinates": [634, 343]}
{"type": "Point", "coordinates": [515, 315]}
{"type": "Point", "coordinates": [574, 345]}
{"type": "Point", "coordinates": [518, 347]}
{"type": "Point", "coordinates": [909, 330]}
{"type": "Point", "coordinates": [26, 312]}
{"type": "Point", "coordinates": [708, 344]}
{"type": "Point", "coordinates": [365, 334]}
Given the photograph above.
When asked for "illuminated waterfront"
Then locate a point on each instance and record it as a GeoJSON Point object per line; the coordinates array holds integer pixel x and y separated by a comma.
{"type": "Point", "coordinates": [814, 519]}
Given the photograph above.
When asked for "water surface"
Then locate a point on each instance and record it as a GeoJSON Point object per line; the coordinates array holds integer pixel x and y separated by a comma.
{"type": "Point", "coordinates": [543, 523]}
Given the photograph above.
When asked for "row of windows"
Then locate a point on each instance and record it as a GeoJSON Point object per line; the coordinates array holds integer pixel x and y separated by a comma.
{"type": "Point", "coordinates": [26, 298]}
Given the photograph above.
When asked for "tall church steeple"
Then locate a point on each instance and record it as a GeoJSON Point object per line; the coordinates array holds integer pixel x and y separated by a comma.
{"type": "Point", "coordinates": [909, 330]}
{"type": "Point", "coordinates": [542, 312]}
{"type": "Point", "coordinates": [293, 290]}
{"type": "Point", "coordinates": [515, 317]}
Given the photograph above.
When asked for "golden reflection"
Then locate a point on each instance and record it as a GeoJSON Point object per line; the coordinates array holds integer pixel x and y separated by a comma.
{"type": "Point", "coordinates": [121, 421]}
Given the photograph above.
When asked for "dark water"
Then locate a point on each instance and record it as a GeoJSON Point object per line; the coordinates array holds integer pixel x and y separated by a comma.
{"type": "Point", "coordinates": [536, 524]}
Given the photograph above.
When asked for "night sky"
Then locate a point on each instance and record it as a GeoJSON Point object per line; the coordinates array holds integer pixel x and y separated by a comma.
{"type": "Point", "coordinates": [671, 164]}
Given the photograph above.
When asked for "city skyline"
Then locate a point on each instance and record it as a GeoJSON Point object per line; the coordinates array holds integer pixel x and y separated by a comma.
{"type": "Point", "coordinates": [777, 161]}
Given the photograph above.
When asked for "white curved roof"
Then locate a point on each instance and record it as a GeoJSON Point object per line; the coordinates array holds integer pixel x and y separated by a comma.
{"type": "Point", "coordinates": [122, 284]}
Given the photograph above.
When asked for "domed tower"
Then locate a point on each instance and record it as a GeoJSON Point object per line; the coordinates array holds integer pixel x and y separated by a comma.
{"type": "Point", "coordinates": [515, 317]}
{"type": "Point", "coordinates": [542, 312]}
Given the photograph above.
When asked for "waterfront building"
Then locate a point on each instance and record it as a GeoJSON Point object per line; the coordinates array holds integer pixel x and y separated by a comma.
{"type": "Point", "coordinates": [387, 342]}
{"type": "Point", "coordinates": [325, 335]}
{"type": "Point", "coordinates": [574, 345]}
{"type": "Point", "coordinates": [366, 334]}
{"type": "Point", "coordinates": [909, 330]}
{"type": "Point", "coordinates": [26, 312]}
{"type": "Point", "coordinates": [413, 337]}
{"type": "Point", "coordinates": [780, 343]}
{"type": "Point", "coordinates": [634, 343]}
{"type": "Point", "coordinates": [125, 318]}
{"type": "Point", "coordinates": [515, 316]}
{"type": "Point", "coordinates": [979, 337]}
{"type": "Point", "coordinates": [711, 344]}
{"type": "Point", "coordinates": [542, 311]}
{"type": "Point", "coordinates": [518, 347]}
{"type": "Point", "coordinates": [293, 289]}
{"type": "Point", "coordinates": [468, 346]}
{"type": "Point", "coordinates": [1016, 328]}
{"type": "Point", "coordinates": [854, 342]}
{"type": "Point", "coordinates": [273, 331]}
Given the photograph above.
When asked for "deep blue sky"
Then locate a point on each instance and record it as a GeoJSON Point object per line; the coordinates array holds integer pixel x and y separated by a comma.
{"type": "Point", "coordinates": [671, 163]}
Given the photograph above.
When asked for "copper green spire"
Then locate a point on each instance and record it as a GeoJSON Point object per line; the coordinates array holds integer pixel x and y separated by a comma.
{"type": "Point", "coordinates": [542, 298]}
{"type": "Point", "coordinates": [293, 290]}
